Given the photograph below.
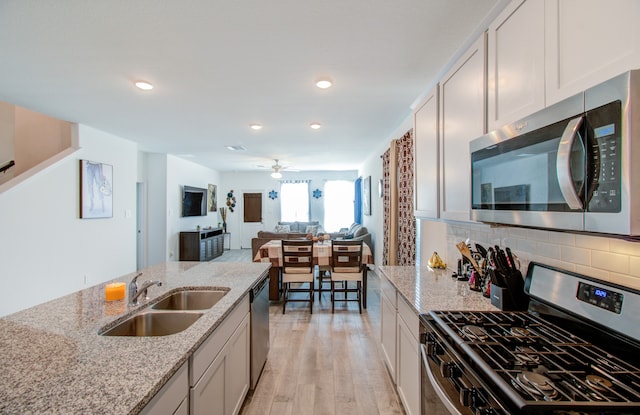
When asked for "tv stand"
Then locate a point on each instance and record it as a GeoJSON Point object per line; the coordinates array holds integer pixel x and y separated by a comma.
{"type": "Point", "coordinates": [202, 245]}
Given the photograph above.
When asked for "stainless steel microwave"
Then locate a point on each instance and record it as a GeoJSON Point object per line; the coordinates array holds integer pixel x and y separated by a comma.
{"type": "Point", "coordinates": [572, 166]}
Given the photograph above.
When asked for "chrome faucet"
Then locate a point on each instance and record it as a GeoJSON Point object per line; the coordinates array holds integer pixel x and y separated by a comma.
{"type": "Point", "coordinates": [135, 292]}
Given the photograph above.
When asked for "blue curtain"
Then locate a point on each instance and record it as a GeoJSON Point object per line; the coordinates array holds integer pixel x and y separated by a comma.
{"type": "Point", "coordinates": [357, 205]}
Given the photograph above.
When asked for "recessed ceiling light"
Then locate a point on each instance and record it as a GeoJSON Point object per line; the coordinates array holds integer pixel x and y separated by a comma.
{"type": "Point", "coordinates": [315, 125]}
{"type": "Point", "coordinates": [256, 126]}
{"type": "Point", "coordinates": [323, 83]}
{"type": "Point", "coordinates": [144, 85]}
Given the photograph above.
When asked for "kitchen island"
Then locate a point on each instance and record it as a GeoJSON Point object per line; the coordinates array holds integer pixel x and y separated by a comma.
{"type": "Point", "coordinates": [54, 361]}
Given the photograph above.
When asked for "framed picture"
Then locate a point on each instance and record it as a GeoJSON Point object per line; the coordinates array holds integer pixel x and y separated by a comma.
{"type": "Point", "coordinates": [96, 190]}
{"type": "Point", "coordinates": [213, 198]}
{"type": "Point", "coordinates": [366, 196]}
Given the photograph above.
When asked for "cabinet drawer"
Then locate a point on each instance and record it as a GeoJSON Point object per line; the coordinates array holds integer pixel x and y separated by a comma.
{"type": "Point", "coordinates": [210, 348]}
{"type": "Point", "coordinates": [410, 318]}
{"type": "Point", "coordinates": [388, 290]}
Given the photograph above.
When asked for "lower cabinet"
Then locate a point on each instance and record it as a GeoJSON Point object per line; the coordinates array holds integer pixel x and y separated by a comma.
{"type": "Point", "coordinates": [408, 367]}
{"type": "Point", "coordinates": [172, 398]}
{"type": "Point", "coordinates": [388, 325]}
{"type": "Point", "coordinates": [220, 376]}
{"type": "Point", "coordinates": [399, 338]}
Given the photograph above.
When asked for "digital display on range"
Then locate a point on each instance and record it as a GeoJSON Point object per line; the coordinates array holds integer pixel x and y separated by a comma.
{"type": "Point", "coordinates": [600, 297]}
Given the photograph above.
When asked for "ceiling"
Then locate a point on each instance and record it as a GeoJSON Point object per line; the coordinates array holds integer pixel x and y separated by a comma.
{"type": "Point", "coordinates": [218, 66]}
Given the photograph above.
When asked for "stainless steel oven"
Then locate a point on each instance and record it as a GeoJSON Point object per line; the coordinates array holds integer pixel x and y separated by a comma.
{"type": "Point", "coordinates": [574, 351]}
{"type": "Point", "coordinates": [574, 165]}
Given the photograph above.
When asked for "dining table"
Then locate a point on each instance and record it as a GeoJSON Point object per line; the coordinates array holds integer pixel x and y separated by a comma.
{"type": "Point", "coordinates": [272, 252]}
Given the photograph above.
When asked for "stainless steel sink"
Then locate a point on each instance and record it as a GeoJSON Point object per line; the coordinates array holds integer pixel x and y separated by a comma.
{"type": "Point", "coordinates": [153, 324]}
{"type": "Point", "coordinates": [190, 300]}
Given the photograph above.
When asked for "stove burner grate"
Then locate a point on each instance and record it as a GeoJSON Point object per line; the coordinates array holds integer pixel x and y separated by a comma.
{"type": "Point", "coordinates": [474, 332]}
{"type": "Point", "coordinates": [536, 384]}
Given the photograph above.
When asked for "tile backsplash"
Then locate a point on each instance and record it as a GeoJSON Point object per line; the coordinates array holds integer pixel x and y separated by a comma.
{"type": "Point", "coordinates": [606, 258]}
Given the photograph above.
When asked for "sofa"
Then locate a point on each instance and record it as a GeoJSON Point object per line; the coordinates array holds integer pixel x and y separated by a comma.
{"type": "Point", "coordinates": [354, 232]}
{"type": "Point", "coordinates": [284, 230]}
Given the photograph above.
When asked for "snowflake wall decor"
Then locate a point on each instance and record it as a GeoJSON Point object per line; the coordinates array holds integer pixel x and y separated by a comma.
{"type": "Point", "coordinates": [273, 195]}
{"type": "Point", "coordinates": [317, 193]}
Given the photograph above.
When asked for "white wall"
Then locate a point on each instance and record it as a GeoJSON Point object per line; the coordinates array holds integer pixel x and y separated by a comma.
{"type": "Point", "coordinates": [45, 249]}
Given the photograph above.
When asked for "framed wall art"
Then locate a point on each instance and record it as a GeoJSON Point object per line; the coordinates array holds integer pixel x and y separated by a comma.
{"type": "Point", "coordinates": [366, 196]}
{"type": "Point", "coordinates": [96, 190]}
{"type": "Point", "coordinates": [213, 198]}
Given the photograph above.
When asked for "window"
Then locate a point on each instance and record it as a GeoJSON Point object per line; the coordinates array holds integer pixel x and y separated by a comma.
{"type": "Point", "coordinates": [338, 204]}
{"type": "Point", "coordinates": [294, 202]}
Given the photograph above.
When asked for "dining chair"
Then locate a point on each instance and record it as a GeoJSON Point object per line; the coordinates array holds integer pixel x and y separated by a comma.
{"type": "Point", "coordinates": [297, 267]}
{"type": "Point", "coordinates": [346, 267]}
{"type": "Point", "coordinates": [323, 278]}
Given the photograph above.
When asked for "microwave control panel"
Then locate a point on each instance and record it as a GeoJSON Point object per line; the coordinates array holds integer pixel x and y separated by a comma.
{"type": "Point", "coordinates": [605, 157]}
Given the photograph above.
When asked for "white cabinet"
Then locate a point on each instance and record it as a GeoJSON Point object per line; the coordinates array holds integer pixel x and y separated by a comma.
{"type": "Point", "coordinates": [425, 160]}
{"type": "Point", "coordinates": [388, 325]}
{"type": "Point", "coordinates": [219, 375]}
{"type": "Point", "coordinates": [400, 328]}
{"type": "Point", "coordinates": [408, 369]}
{"type": "Point", "coordinates": [462, 114]}
{"type": "Point", "coordinates": [172, 398]}
{"type": "Point", "coordinates": [515, 61]}
{"type": "Point", "coordinates": [587, 42]}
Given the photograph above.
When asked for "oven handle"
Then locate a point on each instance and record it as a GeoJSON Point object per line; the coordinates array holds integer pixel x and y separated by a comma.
{"type": "Point", "coordinates": [446, 400]}
{"type": "Point", "coordinates": [563, 164]}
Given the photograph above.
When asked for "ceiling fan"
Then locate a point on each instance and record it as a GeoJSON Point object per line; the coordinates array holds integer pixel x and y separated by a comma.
{"type": "Point", "coordinates": [278, 168]}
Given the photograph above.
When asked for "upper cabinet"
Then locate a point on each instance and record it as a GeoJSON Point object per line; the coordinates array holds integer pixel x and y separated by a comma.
{"type": "Point", "coordinates": [426, 163]}
{"type": "Point", "coordinates": [587, 42]}
{"type": "Point", "coordinates": [462, 118]}
{"type": "Point", "coordinates": [515, 63]}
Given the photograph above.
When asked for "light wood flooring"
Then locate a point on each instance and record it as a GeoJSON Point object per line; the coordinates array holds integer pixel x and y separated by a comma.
{"type": "Point", "coordinates": [323, 363]}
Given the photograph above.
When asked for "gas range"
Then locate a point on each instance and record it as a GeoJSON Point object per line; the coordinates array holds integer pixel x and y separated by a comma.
{"type": "Point", "coordinates": [574, 352]}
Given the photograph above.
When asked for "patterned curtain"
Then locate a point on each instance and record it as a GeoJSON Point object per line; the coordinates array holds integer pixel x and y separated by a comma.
{"type": "Point", "coordinates": [399, 246]}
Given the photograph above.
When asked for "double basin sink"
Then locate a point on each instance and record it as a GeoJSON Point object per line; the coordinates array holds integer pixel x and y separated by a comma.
{"type": "Point", "coordinates": [170, 315]}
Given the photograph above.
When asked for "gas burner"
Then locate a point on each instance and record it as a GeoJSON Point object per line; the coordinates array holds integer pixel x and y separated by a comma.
{"type": "Point", "coordinates": [475, 320]}
{"type": "Point", "coordinates": [536, 384]}
{"type": "Point", "coordinates": [520, 332]}
{"type": "Point", "coordinates": [525, 359]}
{"type": "Point", "coordinates": [599, 383]}
{"type": "Point", "coordinates": [474, 332]}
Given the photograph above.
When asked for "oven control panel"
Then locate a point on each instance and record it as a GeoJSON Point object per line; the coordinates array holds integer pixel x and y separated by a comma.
{"type": "Point", "coordinates": [600, 297]}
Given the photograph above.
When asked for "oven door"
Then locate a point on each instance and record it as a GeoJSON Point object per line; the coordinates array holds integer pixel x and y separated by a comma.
{"type": "Point", "coordinates": [438, 396]}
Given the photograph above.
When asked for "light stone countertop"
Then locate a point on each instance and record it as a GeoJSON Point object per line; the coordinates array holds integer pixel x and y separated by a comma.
{"type": "Point", "coordinates": [427, 289]}
{"type": "Point", "coordinates": [52, 359]}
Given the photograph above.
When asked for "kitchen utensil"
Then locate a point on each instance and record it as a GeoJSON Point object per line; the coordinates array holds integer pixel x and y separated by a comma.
{"type": "Point", "coordinates": [481, 250]}
{"type": "Point", "coordinates": [510, 258]}
{"type": "Point", "coordinates": [464, 250]}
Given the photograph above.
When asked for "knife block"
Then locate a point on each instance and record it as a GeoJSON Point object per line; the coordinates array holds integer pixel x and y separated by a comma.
{"type": "Point", "coordinates": [505, 299]}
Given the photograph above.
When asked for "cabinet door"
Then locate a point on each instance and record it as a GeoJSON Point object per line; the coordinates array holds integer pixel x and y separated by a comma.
{"type": "Point", "coordinates": [388, 328]}
{"type": "Point", "coordinates": [426, 163]}
{"type": "Point", "coordinates": [462, 112]}
{"type": "Point", "coordinates": [408, 369]}
{"type": "Point", "coordinates": [587, 42]}
{"type": "Point", "coordinates": [171, 398]}
{"type": "Point", "coordinates": [208, 395]}
{"type": "Point", "coordinates": [238, 375]}
{"type": "Point", "coordinates": [515, 50]}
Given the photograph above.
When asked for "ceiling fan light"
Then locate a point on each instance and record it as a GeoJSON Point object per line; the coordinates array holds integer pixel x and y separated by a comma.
{"type": "Point", "coordinates": [276, 175]}
{"type": "Point", "coordinates": [256, 126]}
{"type": "Point", "coordinates": [315, 125]}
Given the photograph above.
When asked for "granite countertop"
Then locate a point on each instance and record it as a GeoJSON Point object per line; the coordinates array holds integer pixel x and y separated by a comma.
{"type": "Point", "coordinates": [53, 360]}
{"type": "Point", "coordinates": [427, 289]}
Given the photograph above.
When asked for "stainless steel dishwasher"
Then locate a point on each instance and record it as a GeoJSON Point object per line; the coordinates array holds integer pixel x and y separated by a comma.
{"type": "Point", "coordinates": [259, 296]}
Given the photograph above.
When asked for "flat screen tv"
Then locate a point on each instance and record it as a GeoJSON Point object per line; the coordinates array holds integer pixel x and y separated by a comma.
{"type": "Point", "coordinates": [194, 201]}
